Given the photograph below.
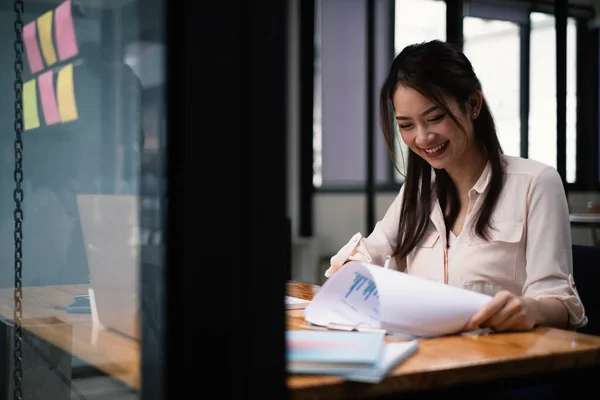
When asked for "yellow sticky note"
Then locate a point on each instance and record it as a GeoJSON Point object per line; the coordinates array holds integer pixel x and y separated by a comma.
{"type": "Point", "coordinates": [45, 31]}
{"type": "Point", "coordinates": [31, 118]}
{"type": "Point", "coordinates": [65, 94]}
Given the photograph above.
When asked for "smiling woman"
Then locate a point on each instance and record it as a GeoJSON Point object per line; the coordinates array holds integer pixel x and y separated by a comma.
{"type": "Point", "coordinates": [468, 215]}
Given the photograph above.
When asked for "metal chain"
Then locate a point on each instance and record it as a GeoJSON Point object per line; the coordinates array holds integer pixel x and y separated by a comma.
{"type": "Point", "coordinates": [18, 198]}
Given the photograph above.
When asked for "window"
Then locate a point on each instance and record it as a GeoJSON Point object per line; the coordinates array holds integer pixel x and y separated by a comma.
{"type": "Point", "coordinates": [317, 136]}
{"type": "Point", "coordinates": [494, 44]}
{"type": "Point", "coordinates": [340, 119]}
{"type": "Point", "coordinates": [342, 107]}
{"type": "Point", "coordinates": [411, 26]}
{"type": "Point", "coordinates": [542, 105]}
{"type": "Point", "coordinates": [493, 47]}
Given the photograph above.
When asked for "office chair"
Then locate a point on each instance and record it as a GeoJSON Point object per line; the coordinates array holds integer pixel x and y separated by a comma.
{"type": "Point", "coordinates": [586, 271]}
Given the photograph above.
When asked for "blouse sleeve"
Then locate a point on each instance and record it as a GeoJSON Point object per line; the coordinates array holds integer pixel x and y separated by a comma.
{"type": "Point", "coordinates": [549, 253]}
{"type": "Point", "coordinates": [375, 248]}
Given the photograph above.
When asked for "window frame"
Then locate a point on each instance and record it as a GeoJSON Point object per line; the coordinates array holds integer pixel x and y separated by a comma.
{"type": "Point", "coordinates": [587, 131]}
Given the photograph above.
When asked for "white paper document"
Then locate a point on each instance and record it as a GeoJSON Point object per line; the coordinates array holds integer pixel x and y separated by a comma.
{"type": "Point", "coordinates": [363, 295]}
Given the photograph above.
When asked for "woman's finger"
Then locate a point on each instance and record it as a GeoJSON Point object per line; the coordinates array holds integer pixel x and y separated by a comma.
{"type": "Point", "coordinates": [512, 307]}
{"type": "Point", "coordinates": [511, 323]}
{"type": "Point", "coordinates": [487, 311]}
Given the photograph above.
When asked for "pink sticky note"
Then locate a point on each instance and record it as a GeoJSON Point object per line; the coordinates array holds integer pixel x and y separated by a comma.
{"type": "Point", "coordinates": [65, 31]}
{"type": "Point", "coordinates": [48, 97]}
{"type": "Point", "coordinates": [32, 48]}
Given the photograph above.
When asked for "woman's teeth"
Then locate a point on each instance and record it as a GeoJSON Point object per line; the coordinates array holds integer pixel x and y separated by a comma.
{"type": "Point", "coordinates": [437, 148]}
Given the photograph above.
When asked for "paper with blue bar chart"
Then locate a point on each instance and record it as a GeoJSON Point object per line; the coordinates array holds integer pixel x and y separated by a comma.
{"type": "Point", "coordinates": [367, 296]}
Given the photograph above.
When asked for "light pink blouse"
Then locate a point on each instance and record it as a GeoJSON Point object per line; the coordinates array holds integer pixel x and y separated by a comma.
{"type": "Point", "coordinates": [528, 254]}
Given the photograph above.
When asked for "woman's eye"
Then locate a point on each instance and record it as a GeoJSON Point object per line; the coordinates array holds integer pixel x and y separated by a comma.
{"type": "Point", "coordinates": [437, 118]}
{"type": "Point", "coordinates": [406, 126]}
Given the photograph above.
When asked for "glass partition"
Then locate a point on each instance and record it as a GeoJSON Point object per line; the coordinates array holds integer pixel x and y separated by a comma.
{"type": "Point", "coordinates": [89, 246]}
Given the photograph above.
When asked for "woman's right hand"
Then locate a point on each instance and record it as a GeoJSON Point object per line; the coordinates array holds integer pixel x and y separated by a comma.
{"type": "Point", "coordinates": [354, 250]}
{"type": "Point", "coordinates": [332, 269]}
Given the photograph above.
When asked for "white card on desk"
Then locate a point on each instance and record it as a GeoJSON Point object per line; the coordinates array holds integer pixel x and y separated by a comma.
{"type": "Point", "coordinates": [294, 303]}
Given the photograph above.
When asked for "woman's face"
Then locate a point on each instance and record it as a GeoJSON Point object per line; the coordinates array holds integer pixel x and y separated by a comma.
{"type": "Point", "coordinates": [430, 132]}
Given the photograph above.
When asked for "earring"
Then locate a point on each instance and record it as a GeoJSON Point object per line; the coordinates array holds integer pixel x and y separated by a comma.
{"type": "Point", "coordinates": [474, 115]}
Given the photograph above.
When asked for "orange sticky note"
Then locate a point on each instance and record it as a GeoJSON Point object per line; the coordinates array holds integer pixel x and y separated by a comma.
{"type": "Point", "coordinates": [65, 94]}
{"type": "Point", "coordinates": [44, 23]}
{"type": "Point", "coordinates": [31, 118]}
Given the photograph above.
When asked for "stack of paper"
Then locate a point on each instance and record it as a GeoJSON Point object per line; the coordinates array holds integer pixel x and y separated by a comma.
{"type": "Point", "coordinates": [364, 296]}
{"type": "Point", "coordinates": [355, 356]}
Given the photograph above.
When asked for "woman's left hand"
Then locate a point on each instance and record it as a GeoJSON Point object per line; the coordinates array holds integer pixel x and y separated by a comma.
{"type": "Point", "coordinates": [506, 312]}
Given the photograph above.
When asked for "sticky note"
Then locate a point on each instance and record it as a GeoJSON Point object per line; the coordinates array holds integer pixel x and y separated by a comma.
{"type": "Point", "coordinates": [32, 48]}
{"type": "Point", "coordinates": [48, 97]}
{"type": "Point", "coordinates": [67, 107]}
{"type": "Point", "coordinates": [44, 23]}
{"type": "Point", "coordinates": [31, 119]}
{"type": "Point", "coordinates": [65, 31]}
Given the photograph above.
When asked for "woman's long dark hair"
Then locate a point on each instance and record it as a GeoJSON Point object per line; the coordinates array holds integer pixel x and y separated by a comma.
{"type": "Point", "coordinates": [438, 71]}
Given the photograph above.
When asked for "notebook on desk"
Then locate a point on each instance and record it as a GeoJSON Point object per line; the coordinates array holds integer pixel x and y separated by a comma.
{"type": "Point", "coordinates": [110, 226]}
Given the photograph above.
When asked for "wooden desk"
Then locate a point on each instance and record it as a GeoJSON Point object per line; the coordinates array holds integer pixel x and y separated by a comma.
{"type": "Point", "coordinates": [455, 360]}
{"type": "Point", "coordinates": [439, 363]}
{"type": "Point", "coordinates": [44, 316]}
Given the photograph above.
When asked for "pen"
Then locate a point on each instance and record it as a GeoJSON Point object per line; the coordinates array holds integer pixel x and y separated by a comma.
{"type": "Point", "coordinates": [386, 265]}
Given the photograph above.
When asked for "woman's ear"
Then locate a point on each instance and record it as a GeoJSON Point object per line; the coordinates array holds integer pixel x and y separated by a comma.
{"type": "Point", "coordinates": [474, 104]}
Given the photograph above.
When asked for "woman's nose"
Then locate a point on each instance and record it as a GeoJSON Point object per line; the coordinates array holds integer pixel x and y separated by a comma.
{"type": "Point", "coordinates": [424, 136]}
